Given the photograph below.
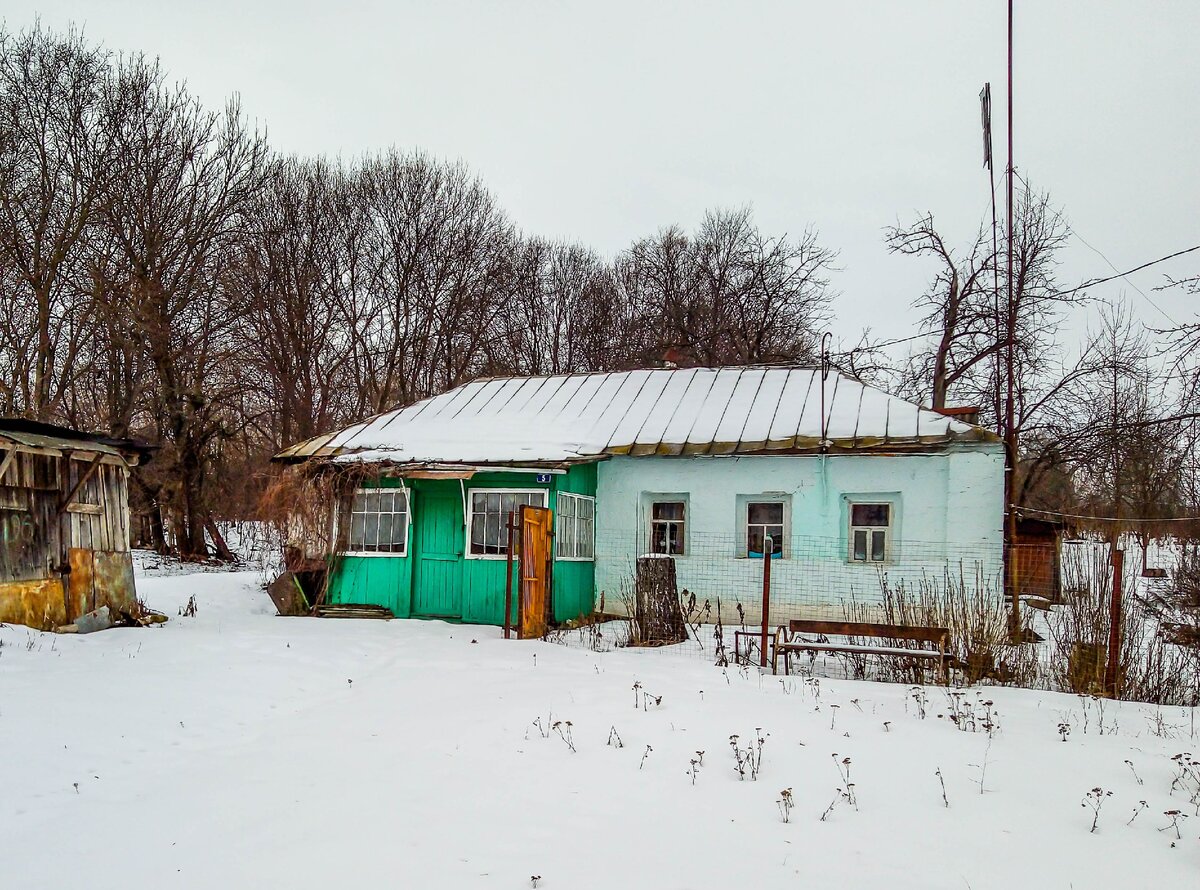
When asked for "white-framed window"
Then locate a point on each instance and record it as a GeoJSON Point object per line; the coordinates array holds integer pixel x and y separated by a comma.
{"type": "Point", "coordinates": [377, 522]}
{"type": "Point", "coordinates": [668, 526]}
{"type": "Point", "coordinates": [765, 519]}
{"type": "Point", "coordinates": [487, 519]}
{"type": "Point", "coordinates": [870, 535]}
{"type": "Point", "coordinates": [575, 527]}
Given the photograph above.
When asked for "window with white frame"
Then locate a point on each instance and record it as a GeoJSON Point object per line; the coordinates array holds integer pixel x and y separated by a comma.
{"type": "Point", "coordinates": [575, 527]}
{"type": "Point", "coordinates": [870, 532]}
{"type": "Point", "coordinates": [668, 527]}
{"type": "Point", "coordinates": [764, 519]}
{"type": "Point", "coordinates": [488, 519]}
{"type": "Point", "coordinates": [377, 522]}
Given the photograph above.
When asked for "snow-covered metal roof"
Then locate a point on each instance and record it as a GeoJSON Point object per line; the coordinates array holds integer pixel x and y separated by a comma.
{"type": "Point", "coordinates": [685, 411]}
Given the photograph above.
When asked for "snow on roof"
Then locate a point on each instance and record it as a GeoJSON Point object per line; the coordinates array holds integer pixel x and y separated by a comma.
{"type": "Point", "coordinates": [511, 420]}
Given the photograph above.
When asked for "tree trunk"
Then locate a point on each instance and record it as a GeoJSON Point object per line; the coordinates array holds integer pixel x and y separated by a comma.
{"type": "Point", "coordinates": [658, 617]}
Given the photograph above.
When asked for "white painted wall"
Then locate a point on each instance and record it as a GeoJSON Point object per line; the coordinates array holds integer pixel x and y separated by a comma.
{"type": "Point", "coordinates": [947, 510]}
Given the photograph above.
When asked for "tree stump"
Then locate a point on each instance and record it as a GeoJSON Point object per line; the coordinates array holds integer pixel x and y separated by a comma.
{"type": "Point", "coordinates": [657, 616]}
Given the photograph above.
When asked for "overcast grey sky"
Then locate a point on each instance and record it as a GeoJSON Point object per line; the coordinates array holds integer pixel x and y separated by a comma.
{"type": "Point", "coordinates": [602, 121]}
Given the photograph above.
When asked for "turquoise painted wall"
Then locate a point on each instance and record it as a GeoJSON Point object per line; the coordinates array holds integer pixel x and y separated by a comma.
{"type": "Point", "coordinates": [389, 580]}
{"type": "Point", "coordinates": [947, 514]}
{"type": "Point", "coordinates": [375, 580]}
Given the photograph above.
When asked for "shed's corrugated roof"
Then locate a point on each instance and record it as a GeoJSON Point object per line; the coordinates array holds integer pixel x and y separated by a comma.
{"type": "Point", "coordinates": [55, 443]}
{"type": "Point", "coordinates": [685, 411]}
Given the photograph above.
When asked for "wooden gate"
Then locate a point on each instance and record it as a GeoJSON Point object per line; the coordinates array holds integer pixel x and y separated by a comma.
{"type": "Point", "coordinates": [533, 606]}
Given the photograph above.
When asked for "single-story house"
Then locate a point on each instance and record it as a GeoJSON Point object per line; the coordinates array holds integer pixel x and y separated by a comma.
{"type": "Point", "coordinates": [64, 523]}
{"type": "Point", "coordinates": [846, 482]}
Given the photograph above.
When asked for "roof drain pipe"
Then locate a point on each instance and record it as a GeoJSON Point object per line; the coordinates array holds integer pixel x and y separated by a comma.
{"type": "Point", "coordinates": [825, 338]}
{"type": "Point", "coordinates": [462, 487]}
{"type": "Point", "coordinates": [824, 443]}
{"type": "Point", "coordinates": [407, 500]}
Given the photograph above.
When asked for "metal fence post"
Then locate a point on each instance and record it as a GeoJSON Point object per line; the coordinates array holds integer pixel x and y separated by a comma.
{"type": "Point", "coordinates": [1112, 675]}
{"type": "Point", "coordinates": [508, 577]}
{"type": "Point", "coordinates": [768, 548]}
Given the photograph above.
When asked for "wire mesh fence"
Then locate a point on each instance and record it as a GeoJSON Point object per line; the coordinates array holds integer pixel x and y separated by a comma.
{"type": "Point", "coordinates": [720, 577]}
{"type": "Point", "coordinates": [1065, 596]}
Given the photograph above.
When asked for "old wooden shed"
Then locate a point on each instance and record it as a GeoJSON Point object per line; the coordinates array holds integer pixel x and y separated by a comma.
{"type": "Point", "coordinates": [64, 523]}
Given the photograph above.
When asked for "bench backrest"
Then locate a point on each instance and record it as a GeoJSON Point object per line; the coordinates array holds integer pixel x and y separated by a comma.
{"type": "Point", "coordinates": [870, 629]}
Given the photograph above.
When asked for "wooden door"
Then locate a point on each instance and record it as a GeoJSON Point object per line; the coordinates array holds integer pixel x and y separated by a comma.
{"type": "Point", "coordinates": [438, 547]}
{"type": "Point", "coordinates": [535, 524]}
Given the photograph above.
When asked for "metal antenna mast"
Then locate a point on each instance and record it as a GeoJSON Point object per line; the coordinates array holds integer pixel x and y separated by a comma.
{"type": "Point", "coordinates": [1010, 433]}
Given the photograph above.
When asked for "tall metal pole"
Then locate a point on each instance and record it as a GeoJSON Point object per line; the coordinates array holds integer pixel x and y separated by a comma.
{"type": "Point", "coordinates": [1010, 433]}
{"type": "Point", "coordinates": [768, 549]}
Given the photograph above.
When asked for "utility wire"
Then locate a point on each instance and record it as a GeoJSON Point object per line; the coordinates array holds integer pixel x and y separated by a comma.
{"type": "Point", "coordinates": [1093, 282]}
{"type": "Point", "coordinates": [1145, 295]}
{"type": "Point", "coordinates": [1021, 510]}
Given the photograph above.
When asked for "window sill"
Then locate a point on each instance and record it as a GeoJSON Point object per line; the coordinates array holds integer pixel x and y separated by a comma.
{"type": "Point", "coordinates": [373, 554]}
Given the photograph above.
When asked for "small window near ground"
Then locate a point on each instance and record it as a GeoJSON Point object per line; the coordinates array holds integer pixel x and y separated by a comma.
{"type": "Point", "coordinates": [378, 522]}
{"type": "Point", "coordinates": [667, 527]}
{"type": "Point", "coordinates": [488, 521]}
{"type": "Point", "coordinates": [870, 532]}
{"type": "Point", "coordinates": [575, 529]}
{"type": "Point", "coordinates": [764, 520]}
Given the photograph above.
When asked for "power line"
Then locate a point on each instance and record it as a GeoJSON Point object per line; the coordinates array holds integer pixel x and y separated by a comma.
{"type": "Point", "coordinates": [1093, 282]}
{"type": "Point", "coordinates": [1145, 296]}
{"type": "Point", "coordinates": [1122, 519]}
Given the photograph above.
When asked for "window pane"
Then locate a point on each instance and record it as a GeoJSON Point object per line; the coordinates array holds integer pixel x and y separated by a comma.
{"type": "Point", "coordinates": [385, 528]}
{"type": "Point", "coordinates": [878, 548]}
{"type": "Point", "coordinates": [764, 513]}
{"type": "Point", "coordinates": [587, 546]}
{"type": "Point", "coordinates": [860, 545]}
{"type": "Point", "coordinates": [776, 533]}
{"type": "Point", "coordinates": [477, 533]}
{"type": "Point", "coordinates": [399, 530]}
{"type": "Point", "coordinates": [587, 508]}
{"type": "Point", "coordinates": [478, 501]}
{"type": "Point", "coordinates": [565, 532]}
{"type": "Point", "coordinates": [492, 533]}
{"type": "Point", "coordinates": [492, 503]}
{"type": "Point", "coordinates": [869, 514]}
{"type": "Point", "coordinates": [508, 504]}
{"type": "Point", "coordinates": [566, 506]}
{"type": "Point", "coordinates": [371, 531]}
{"type": "Point", "coordinates": [754, 540]}
{"type": "Point", "coordinates": [675, 537]}
{"type": "Point", "coordinates": [372, 502]}
{"type": "Point", "coordinates": [357, 524]}
{"type": "Point", "coordinates": [667, 510]}
{"type": "Point", "coordinates": [360, 502]}
{"type": "Point", "coordinates": [658, 537]}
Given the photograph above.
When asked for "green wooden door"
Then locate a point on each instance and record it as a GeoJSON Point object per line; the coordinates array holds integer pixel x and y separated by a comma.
{"type": "Point", "coordinates": [438, 542]}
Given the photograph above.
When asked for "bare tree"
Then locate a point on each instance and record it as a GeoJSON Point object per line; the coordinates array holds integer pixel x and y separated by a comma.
{"type": "Point", "coordinates": [961, 312]}
{"type": "Point", "coordinates": [563, 314]}
{"type": "Point", "coordinates": [730, 294]}
{"type": "Point", "coordinates": [54, 148]}
{"type": "Point", "coordinates": [175, 206]}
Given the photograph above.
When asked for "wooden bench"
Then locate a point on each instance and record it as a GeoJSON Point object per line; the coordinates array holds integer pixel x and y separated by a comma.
{"type": "Point", "coordinates": [788, 640]}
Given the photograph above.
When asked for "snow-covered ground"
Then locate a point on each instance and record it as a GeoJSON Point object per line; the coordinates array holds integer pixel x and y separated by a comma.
{"type": "Point", "coordinates": [239, 749]}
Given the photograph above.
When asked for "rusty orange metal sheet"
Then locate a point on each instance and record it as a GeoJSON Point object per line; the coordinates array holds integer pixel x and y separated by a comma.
{"type": "Point", "coordinates": [112, 573]}
{"type": "Point", "coordinates": [39, 603]}
{"type": "Point", "coordinates": [80, 585]}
